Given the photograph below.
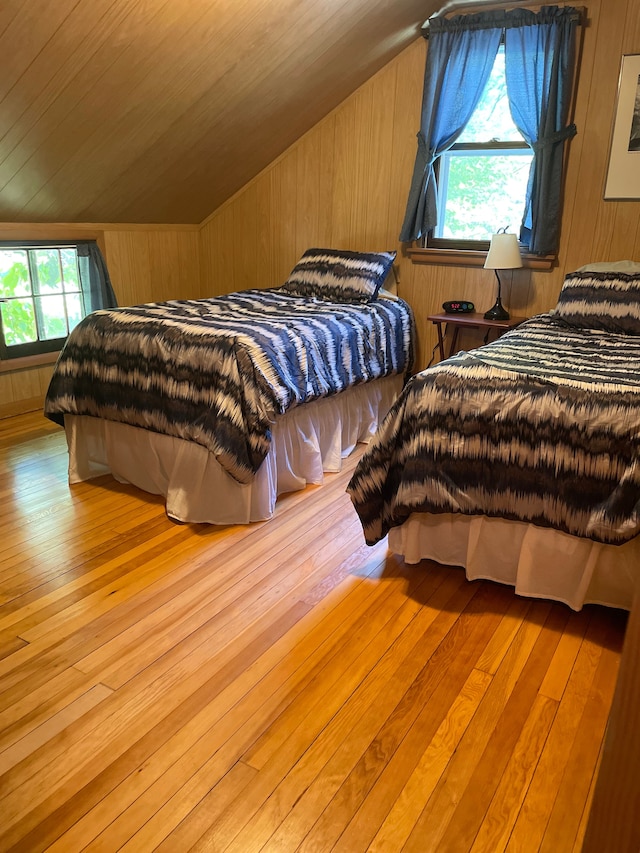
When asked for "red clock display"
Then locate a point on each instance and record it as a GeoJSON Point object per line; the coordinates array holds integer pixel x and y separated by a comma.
{"type": "Point", "coordinates": [460, 306]}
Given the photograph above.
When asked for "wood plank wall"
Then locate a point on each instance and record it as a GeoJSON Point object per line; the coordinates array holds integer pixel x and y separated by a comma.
{"type": "Point", "coordinates": [146, 264]}
{"type": "Point", "coordinates": [345, 184]}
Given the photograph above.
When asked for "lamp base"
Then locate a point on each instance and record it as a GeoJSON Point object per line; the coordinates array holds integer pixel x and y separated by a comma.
{"type": "Point", "coordinates": [498, 312]}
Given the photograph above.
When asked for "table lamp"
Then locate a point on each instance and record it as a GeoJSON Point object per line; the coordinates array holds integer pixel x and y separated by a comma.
{"type": "Point", "coordinates": [503, 254]}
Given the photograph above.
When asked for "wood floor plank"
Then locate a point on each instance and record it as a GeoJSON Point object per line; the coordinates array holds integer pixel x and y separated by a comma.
{"type": "Point", "coordinates": [108, 759]}
{"type": "Point", "coordinates": [139, 821]}
{"type": "Point", "coordinates": [29, 579]}
{"type": "Point", "coordinates": [39, 735]}
{"type": "Point", "coordinates": [276, 686]}
{"type": "Point", "coordinates": [579, 843]}
{"type": "Point", "coordinates": [191, 745]}
{"type": "Point", "coordinates": [184, 564]}
{"type": "Point", "coordinates": [273, 692]}
{"type": "Point", "coordinates": [406, 809]}
{"type": "Point", "coordinates": [204, 813]}
{"type": "Point", "coordinates": [254, 592]}
{"type": "Point", "coordinates": [431, 827]}
{"type": "Point", "coordinates": [537, 806]}
{"type": "Point", "coordinates": [363, 715]}
{"type": "Point", "coordinates": [485, 779]}
{"type": "Point", "coordinates": [561, 666]}
{"type": "Point", "coordinates": [79, 613]}
{"type": "Point", "coordinates": [375, 783]}
{"type": "Point", "coordinates": [502, 639]}
{"type": "Point", "coordinates": [74, 516]}
{"type": "Point", "coordinates": [274, 738]}
{"type": "Point", "coordinates": [339, 699]}
{"type": "Point", "coordinates": [38, 563]}
{"type": "Point", "coordinates": [564, 821]}
{"type": "Point", "coordinates": [29, 712]}
{"type": "Point", "coordinates": [176, 721]}
{"type": "Point", "coordinates": [502, 813]}
{"type": "Point", "coordinates": [10, 645]}
{"type": "Point", "coordinates": [355, 721]}
{"type": "Point", "coordinates": [42, 607]}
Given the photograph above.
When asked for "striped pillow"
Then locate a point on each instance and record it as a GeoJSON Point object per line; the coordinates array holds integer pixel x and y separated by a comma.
{"type": "Point", "coordinates": [339, 275]}
{"type": "Point", "coordinates": [601, 300]}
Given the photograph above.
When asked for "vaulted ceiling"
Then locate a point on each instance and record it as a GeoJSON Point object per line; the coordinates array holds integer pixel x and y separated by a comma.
{"type": "Point", "coordinates": [159, 110]}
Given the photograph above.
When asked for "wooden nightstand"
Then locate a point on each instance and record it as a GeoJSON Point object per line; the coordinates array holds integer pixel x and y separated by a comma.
{"type": "Point", "coordinates": [471, 321]}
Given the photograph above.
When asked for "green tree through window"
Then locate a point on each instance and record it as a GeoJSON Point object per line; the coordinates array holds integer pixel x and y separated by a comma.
{"type": "Point", "coordinates": [40, 298]}
{"type": "Point", "coordinates": [482, 178]}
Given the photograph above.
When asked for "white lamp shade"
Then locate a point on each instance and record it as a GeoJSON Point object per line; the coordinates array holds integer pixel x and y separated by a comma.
{"type": "Point", "coordinates": [504, 253]}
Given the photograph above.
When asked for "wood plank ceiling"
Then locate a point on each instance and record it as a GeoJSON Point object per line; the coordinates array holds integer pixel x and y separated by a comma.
{"type": "Point", "coordinates": [157, 111]}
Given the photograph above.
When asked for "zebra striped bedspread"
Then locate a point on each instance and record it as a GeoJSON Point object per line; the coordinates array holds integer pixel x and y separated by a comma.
{"type": "Point", "coordinates": [542, 426]}
{"type": "Point", "coordinates": [218, 371]}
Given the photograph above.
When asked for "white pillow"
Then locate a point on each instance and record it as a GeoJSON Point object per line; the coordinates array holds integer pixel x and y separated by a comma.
{"type": "Point", "coordinates": [628, 267]}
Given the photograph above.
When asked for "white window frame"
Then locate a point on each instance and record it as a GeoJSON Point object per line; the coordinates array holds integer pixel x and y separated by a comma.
{"type": "Point", "coordinates": [467, 149]}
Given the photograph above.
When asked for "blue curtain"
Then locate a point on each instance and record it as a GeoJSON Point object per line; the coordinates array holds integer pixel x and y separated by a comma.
{"type": "Point", "coordinates": [461, 54]}
{"type": "Point", "coordinates": [94, 277]}
{"type": "Point", "coordinates": [539, 59]}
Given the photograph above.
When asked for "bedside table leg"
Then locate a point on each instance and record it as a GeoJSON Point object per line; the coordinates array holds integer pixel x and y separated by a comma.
{"type": "Point", "coordinates": [454, 341]}
{"type": "Point", "coordinates": [440, 341]}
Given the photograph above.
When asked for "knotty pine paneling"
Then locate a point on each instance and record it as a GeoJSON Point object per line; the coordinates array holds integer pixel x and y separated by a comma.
{"type": "Point", "coordinates": [146, 264]}
{"type": "Point", "coordinates": [345, 184]}
{"type": "Point", "coordinates": [153, 265]}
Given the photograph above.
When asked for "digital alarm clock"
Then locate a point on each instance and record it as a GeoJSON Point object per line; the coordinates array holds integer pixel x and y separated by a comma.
{"type": "Point", "coordinates": [459, 307]}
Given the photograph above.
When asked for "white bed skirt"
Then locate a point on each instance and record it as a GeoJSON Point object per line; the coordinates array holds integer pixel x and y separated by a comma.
{"type": "Point", "coordinates": [307, 441]}
{"type": "Point", "coordinates": [538, 562]}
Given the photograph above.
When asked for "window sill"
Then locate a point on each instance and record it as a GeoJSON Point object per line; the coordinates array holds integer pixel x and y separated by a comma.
{"type": "Point", "coordinates": [9, 364]}
{"type": "Point", "coordinates": [472, 258]}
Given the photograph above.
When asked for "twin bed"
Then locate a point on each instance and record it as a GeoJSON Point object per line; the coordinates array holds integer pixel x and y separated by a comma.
{"type": "Point", "coordinates": [519, 460]}
{"type": "Point", "coordinates": [222, 404]}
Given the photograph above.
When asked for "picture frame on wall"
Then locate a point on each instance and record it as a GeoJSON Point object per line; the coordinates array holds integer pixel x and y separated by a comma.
{"type": "Point", "coordinates": [623, 173]}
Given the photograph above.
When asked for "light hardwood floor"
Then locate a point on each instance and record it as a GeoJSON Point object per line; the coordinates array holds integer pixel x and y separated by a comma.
{"type": "Point", "coordinates": [275, 687]}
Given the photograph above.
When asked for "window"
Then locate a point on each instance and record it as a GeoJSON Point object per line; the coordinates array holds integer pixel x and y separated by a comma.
{"type": "Point", "coordinates": [482, 179]}
{"type": "Point", "coordinates": [41, 298]}
{"type": "Point", "coordinates": [540, 55]}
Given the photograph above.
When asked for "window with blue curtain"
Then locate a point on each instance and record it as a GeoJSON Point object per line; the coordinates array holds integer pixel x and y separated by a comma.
{"type": "Point", "coordinates": [46, 288]}
{"type": "Point", "coordinates": [537, 52]}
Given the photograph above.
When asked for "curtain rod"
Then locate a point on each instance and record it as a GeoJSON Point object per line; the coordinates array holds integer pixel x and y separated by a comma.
{"type": "Point", "coordinates": [454, 5]}
{"type": "Point", "coordinates": [459, 7]}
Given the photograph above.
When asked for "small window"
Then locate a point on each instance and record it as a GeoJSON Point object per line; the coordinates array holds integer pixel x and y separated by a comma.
{"type": "Point", "coordinates": [41, 298]}
{"type": "Point", "coordinates": [482, 178]}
